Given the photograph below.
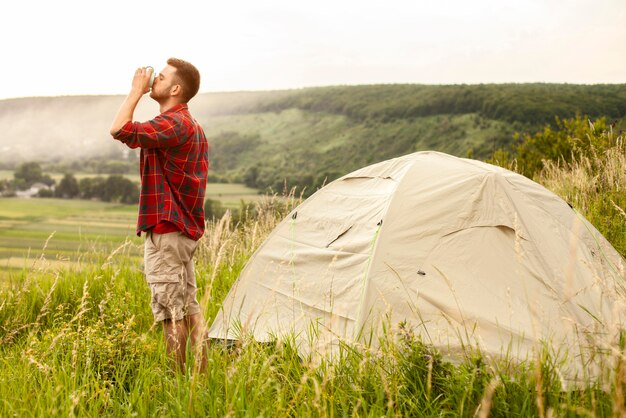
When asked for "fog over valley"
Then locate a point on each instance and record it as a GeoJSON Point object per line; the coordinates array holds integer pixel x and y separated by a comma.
{"type": "Point", "coordinates": [50, 129]}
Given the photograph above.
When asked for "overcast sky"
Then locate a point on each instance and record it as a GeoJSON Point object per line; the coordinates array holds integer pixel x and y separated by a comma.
{"type": "Point", "coordinates": [68, 47]}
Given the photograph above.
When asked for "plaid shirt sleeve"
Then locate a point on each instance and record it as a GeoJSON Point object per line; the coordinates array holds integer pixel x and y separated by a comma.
{"type": "Point", "coordinates": [165, 131]}
{"type": "Point", "coordinates": [173, 168]}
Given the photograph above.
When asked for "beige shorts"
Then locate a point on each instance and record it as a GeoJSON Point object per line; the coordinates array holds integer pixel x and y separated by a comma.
{"type": "Point", "coordinates": [168, 263]}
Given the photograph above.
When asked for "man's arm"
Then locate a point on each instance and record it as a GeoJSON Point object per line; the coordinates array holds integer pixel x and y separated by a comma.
{"type": "Point", "coordinates": [140, 86]}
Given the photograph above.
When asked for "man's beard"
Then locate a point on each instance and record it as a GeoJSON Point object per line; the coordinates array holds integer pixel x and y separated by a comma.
{"type": "Point", "coordinates": [159, 93]}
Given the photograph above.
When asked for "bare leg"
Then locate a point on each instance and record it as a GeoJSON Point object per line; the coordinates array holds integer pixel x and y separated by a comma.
{"type": "Point", "coordinates": [197, 329]}
{"type": "Point", "coordinates": [175, 333]}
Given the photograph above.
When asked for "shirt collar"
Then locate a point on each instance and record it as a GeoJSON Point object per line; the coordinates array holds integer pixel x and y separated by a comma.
{"type": "Point", "coordinates": [177, 108]}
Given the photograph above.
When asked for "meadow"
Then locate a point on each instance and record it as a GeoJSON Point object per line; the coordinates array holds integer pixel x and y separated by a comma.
{"type": "Point", "coordinates": [40, 233]}
{"type": "Point", "coordinates": [68, 233]}
{"type": "Point", "coordinates": [79, 340]}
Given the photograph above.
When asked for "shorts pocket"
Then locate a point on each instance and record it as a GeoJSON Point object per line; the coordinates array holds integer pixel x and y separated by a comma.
{"type": "Point", "coordinates": [153, 240]}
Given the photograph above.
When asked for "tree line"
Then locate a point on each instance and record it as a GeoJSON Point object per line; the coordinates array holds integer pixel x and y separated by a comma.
{"type": "Point", "coordinates": [347, 127]}
{"type": "Point", "coordinates": [113, 188]}
{"type": "Point", "coordinates": [534, 103]}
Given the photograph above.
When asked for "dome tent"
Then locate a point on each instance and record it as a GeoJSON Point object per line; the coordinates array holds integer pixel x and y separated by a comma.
{"type": "Point", "coordinates": [466, 253]}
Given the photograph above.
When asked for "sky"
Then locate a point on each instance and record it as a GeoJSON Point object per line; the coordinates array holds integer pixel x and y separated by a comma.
{"type": "Point", "coordinates": [69, 47]}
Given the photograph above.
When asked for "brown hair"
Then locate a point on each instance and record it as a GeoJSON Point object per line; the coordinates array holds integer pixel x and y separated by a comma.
{"type": "Point", "coordinates": [188, 76]}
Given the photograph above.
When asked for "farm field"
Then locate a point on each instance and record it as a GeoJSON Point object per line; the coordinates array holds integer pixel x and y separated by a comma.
{"type": "Point", "coordinates": [45, 233]}
{"type": "Point", "coordinates": [231, 194]}
{"type": "Point", "coordinates": [56, 233]}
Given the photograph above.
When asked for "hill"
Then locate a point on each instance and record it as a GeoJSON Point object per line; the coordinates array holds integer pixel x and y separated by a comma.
{"type": "Point", "coordinates": [309, 136]}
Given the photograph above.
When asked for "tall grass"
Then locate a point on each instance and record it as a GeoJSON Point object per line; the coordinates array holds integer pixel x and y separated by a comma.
{"type": "Point", "coordinates": [83, 343]}
{"type": "Point", "coordinates": [595, 184]}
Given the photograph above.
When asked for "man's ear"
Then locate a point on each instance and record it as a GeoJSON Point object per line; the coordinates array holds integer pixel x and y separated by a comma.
{"type": "Point", "coordinates": [176, 90]}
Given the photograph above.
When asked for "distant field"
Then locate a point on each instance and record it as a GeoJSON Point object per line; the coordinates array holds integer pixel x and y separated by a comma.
{"type": "Point", "coordinates": [69, 232]}
{"type": "Point", "coordinates": [220, 191]}
{"type": "Point", "coordinates": [53, 233]}
{"type": "Point", "coordinates": [229, 194]}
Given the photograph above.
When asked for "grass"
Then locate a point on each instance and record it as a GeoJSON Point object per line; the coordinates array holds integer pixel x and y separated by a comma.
{"type": "Point", "coordinates": [60, 233]}
{"type": "Point", "coordinates": [81, 342]}
{"type": "Point", "coordinates": [231, 194]}
{"type": "Point", "coordinates": [73, 230]}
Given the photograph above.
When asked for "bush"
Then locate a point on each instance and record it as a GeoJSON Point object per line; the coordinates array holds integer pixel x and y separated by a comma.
{"type": "Point", "coordinates": [68, 187]}
{"type": "Point", "coordinates": [582, 162]}
{"type": "Point", "coordinates": [213, 209]}
{"type": "Point", "coordinates": [569, 140]}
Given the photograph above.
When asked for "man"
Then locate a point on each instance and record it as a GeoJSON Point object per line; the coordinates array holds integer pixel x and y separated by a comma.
{"type": "Point", "coordinates": [173, 168]}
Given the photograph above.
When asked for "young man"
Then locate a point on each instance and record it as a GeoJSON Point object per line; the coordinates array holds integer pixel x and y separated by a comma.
{"type": "Point", "coordinates": [173, 167]}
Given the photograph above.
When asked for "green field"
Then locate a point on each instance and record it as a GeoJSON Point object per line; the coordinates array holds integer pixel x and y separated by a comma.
{"type": "Point", "coordinates": [231, 195]}
{"type": "Point", "coordinates": [61, 233]}
{"type": "Point", "coordinates": [55, 233]}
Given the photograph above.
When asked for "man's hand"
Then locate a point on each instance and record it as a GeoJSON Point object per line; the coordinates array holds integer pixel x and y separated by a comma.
{"type": "Point", "coordinates": [140, 86]}
{"type": "Point", "coordinates": [141, 80]}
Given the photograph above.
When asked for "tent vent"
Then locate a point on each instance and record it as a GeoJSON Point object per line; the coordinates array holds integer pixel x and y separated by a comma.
{"type": "Point", "coordinates": [339, 236]}
{"type": "Point", "coordinates": [421, 273]}
{"type": "Point", "coordinates": [295, 215]}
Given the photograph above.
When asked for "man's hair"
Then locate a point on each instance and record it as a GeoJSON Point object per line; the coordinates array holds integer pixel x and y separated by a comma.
{"type": "Point", "coordinates": [188, 76]}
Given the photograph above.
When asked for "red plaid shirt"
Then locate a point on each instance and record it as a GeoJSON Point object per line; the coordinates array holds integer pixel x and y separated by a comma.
{"type": "Point", "coordinates": [173, 167]}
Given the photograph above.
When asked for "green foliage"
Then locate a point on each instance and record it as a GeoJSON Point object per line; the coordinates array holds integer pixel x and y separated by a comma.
{"type": "Point", "coordinates": [304, 137]}
{"type": "Point", "coordinates": [7, 187]}
{"type": "Point", "coordinates": [213, 209]}
{"type": "Point", "coordinates": [26, 174]}
{"type": "Point", "coordinates": [91, 187]}
{"type": "Point", "coordinates": [569, 140]}
{"type": "Point", "coordinates": [45, 193]}
{"type": "Point", "coordinates": [104, 164]}
{"type": "Point", "coordinates": [229, 148]}
{"type": "Point", "coordinates": [114, 188]}
{"type": "Point", "coordinates": [307, 150]}
{"type": "Point", "coordinates": [117, 188]}
{"type": "Point", "coordinates": [526, 103]}
{"type": "Point", "coordinates": [68, 187]}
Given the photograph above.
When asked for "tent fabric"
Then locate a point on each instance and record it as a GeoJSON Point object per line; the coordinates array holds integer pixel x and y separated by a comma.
{"type": "Point", "coordinates": [463, 252]}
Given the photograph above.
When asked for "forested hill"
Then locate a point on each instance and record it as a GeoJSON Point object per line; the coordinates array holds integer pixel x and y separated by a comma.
{"type": "Point", "coordinates": [528, 103]}
{"type": "Point", "coordinates": [314, 135]}
{"type": "Point", "coordinates": [308, 136]}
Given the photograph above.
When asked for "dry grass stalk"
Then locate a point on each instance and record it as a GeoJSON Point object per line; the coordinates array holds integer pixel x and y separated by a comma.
{"type": "Point", "coordinates": [485, 404]}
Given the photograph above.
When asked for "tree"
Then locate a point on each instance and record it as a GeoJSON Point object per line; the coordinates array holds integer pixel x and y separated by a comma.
{"type": "Point", "coordinates": [91, 187]}
{"type": "Point", "coordinates": [6, 187]}
{"type": "Point", "coordinates": [120, 189]}
{"type": "Point", "coordinates": [213, 209]}
{"type": "Point", "coordinates": [570, 139]}
{"type": "Point", "coordinates": [251, 177]}
{"type": "Point", "coordinates": [68, 187]}
{"type": "Point", "coordinates": [26, 174]}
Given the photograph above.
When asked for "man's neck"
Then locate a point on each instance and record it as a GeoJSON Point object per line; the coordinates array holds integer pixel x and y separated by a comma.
{"type": "Point", "coordinates": [167, 105]}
